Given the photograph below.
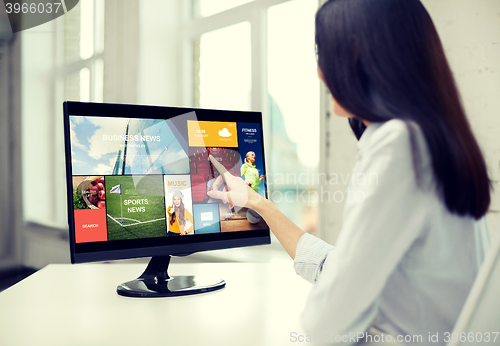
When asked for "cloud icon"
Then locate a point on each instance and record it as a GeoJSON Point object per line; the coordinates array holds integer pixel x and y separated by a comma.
{"type": "Point", "coordinates": [225, 133]}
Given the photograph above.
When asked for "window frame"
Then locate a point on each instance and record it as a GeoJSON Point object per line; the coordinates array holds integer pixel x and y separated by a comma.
{"type": "Point", "coordinates": [255, 12]}
{"type": "Point", "coordinates": [56, 213]}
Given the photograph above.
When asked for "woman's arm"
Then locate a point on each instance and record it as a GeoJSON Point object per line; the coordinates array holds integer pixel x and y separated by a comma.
{"type": "Point", "coordinates": [240, 194]}
{"type": "Point", "coordinates": [283, 228]}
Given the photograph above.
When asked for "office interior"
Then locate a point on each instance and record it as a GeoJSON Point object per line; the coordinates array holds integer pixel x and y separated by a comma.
{"type": "Point", "coordinates": [233, 54]}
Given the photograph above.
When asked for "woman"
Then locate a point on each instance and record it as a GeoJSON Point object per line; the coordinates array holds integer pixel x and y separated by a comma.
{"type": "Point", "coordinates": [178, 215]}
{"type": "Point", "coordinates": [409, 250]}
{"type": "Point", "coordinates": [250, 171]}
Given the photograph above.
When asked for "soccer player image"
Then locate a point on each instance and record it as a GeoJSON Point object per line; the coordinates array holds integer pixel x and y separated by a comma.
{"type": "Point", "coordinates": [178, 216]}
{"type": "Point", "coordinates": [250, 171]}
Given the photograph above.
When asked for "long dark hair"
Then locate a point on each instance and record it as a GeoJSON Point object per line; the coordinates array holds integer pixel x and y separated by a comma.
{"type": "Point", "coordinates": [383, 59]}
{"type": "Point", "coordinates": [178, 214]}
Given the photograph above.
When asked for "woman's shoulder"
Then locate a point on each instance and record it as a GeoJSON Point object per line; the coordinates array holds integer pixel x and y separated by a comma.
{"type": "Point", "coordinates": [398, 143]}
{"type": "Point", "coordinates": [394, 131]}
{"type": "Point", "coordinates": [401, 137]}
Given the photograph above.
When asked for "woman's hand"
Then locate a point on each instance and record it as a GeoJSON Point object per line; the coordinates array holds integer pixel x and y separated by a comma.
{"type": "Point", "coordinates": [236, 191]}
{"type": "Point", "coordinates": [239, 193]}
{"type": "Point", "coordinates": [261, 177]}
{"type": "Point", "coordinates": [183, 233]}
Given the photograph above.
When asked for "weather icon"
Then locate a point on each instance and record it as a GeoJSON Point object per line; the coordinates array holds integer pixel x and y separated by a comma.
{"type": "Point", "coordinates": [225, 133]}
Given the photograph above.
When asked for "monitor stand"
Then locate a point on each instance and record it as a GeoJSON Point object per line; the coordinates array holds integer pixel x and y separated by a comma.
{"type": "Point", "coordinates": [155, 282]}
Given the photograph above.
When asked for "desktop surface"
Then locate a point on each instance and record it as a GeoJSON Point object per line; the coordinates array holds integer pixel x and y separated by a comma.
{"type": "Point", "coordinates": [75, 305]}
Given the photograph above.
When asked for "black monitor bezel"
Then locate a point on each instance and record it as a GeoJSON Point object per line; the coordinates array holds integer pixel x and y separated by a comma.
{"type": "Point", "coordinates": [201, 242]}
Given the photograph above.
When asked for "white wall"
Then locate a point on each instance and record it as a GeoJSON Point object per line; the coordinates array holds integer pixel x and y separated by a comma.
{"type": "Point", "coordinates": [470, 33]}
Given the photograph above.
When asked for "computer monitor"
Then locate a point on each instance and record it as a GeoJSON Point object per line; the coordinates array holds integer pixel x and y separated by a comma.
{"type": "Point", "coordinates": [137, 183]}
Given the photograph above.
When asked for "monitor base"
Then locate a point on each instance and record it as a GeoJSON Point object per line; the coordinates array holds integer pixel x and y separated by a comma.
{"type": "Point", "coordinates": [155, 282]}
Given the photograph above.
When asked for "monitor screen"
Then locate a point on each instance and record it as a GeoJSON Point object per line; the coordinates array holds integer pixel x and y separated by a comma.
{"type": "Point", "coordinates": [138, 178]}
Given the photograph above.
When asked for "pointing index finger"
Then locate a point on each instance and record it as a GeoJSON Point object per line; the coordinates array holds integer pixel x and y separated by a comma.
{"type": "Point", "coordinates": [217, 183]}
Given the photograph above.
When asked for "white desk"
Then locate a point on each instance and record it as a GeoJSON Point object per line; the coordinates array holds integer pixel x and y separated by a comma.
{"type": "Point", "coordinates": [71, 305]}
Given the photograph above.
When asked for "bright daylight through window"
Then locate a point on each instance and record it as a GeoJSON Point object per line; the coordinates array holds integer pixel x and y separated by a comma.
{"type": "Point", "coordinates": [225, 63]}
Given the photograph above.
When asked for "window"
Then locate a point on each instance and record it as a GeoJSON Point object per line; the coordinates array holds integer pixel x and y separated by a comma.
{"type": "Point", "coordinates": [82, 68]}
{"type": "Point", "coordinates": [260, 55]}
{"type": "Point", "coordinates": [294, 112]}
{"type": "Point", "coordinates": [205, 8]}
{"type": "Point", "coordinates": [224, 75]}
{"type": "Point", "coordinates": [233, 54]}
{"type": "Point", "coordinates": [69, 53]}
